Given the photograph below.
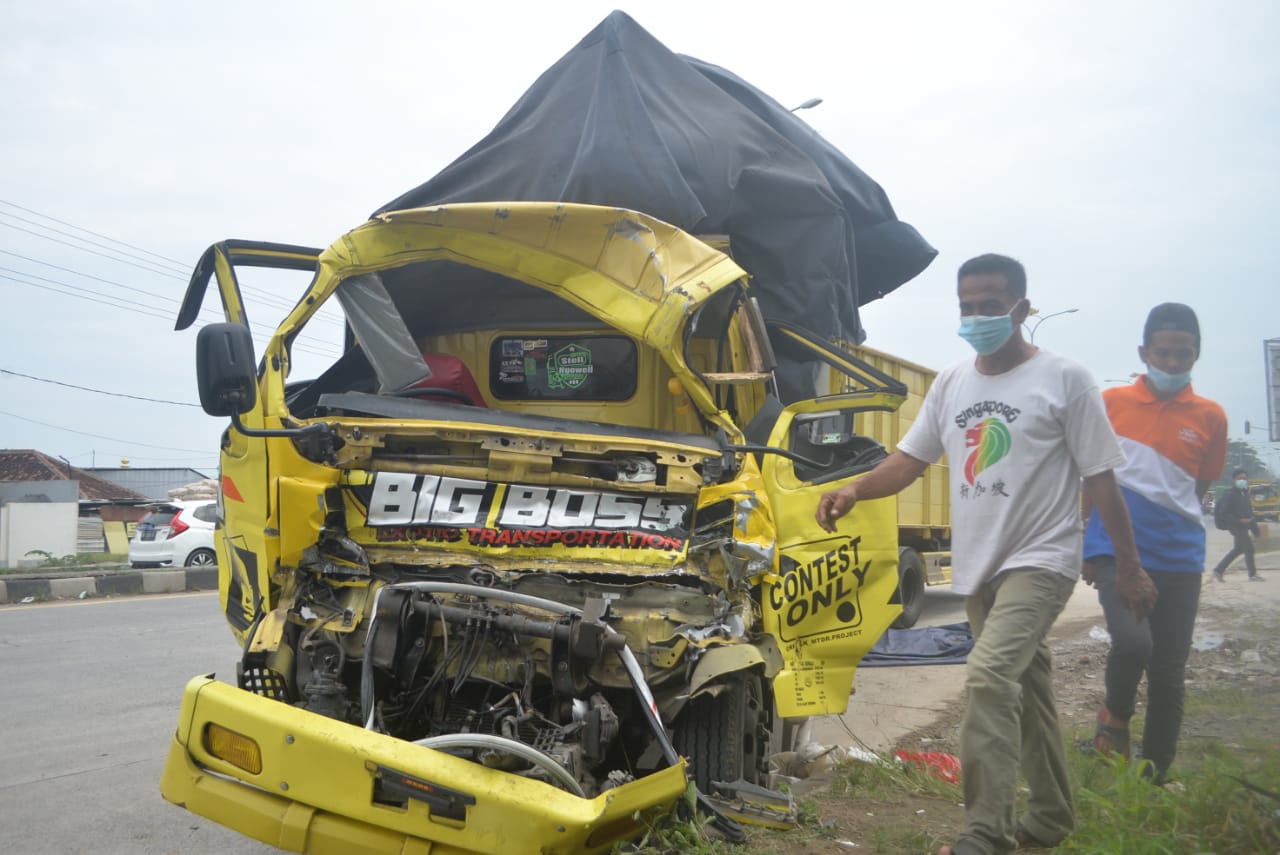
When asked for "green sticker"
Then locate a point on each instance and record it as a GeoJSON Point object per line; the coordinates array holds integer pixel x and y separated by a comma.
{"type": "Point", "coordinates": [569, 367]}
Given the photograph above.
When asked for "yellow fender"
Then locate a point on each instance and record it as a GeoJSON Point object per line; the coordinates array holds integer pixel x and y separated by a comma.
{"type": "Point", "coordinates": [730, 658]}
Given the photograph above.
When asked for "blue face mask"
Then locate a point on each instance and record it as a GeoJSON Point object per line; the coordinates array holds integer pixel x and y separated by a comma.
{"type": "Point", "coordinates": [1167, 382]}
{"type": "Point", "coordinates": [986, 333]}
{"type": "Point", "coordinates": [1242, 485]}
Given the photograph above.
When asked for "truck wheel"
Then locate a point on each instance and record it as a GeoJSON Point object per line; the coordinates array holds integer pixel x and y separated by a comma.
{"type": "Point", "coordinates": [723, 736]}
{"type": "Point", "coordinates": [910, 587]}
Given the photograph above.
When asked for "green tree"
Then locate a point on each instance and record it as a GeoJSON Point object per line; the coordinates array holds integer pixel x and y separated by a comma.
{"type": "Point", "coordinates": [1241, 455]}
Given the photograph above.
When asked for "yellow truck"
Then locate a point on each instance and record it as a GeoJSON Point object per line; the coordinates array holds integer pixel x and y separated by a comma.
{"type": "Point", "coordinates": [538, 549]}
{"type": "Point", "coordinates": [1265, 498]}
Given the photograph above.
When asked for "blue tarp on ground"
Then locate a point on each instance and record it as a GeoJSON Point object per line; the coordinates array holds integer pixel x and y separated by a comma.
{"type": "Point", "coordinates": [929, 645]}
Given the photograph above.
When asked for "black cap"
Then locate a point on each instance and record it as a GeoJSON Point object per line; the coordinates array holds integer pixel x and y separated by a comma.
{"type": "Point", "coordinates": [1171, 316]}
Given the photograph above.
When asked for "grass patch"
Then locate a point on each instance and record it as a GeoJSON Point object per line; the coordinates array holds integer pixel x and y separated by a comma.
{"type": "Point", "coordinates": [1211, 698]}
{"type": "Point", "coordinates": [47, 562]}
{"type": "Point", "coordinates": [1224, 794]}
{"type": "Point", "coordinates": [685, 830]}
{"type": "Point", "coordinates": [1209, 808]}
{"type": "Point", "coordinates": [892, 779]}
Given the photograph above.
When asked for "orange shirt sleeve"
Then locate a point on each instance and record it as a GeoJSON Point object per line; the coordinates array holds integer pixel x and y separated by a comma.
{"type": "Point", "coordinates": [1215, 455]}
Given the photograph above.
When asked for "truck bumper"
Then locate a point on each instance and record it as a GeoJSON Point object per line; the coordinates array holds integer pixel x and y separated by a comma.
{"type": "Point", "coordinates": [325, 787]}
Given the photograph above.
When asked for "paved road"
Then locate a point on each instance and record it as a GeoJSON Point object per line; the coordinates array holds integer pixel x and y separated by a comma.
{"type": "Point", "coordinates": [91, 698]}
{"type": "Point", "coordinates": [92, 692]}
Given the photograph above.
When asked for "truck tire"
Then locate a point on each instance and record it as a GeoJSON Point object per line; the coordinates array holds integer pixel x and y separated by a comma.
{"type": "Point", "coordinates": [910, 587]}
{"type": "Point", "coordinates": [723, 736]}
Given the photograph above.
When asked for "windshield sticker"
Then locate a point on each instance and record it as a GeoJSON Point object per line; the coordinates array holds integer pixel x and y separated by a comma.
{"type": "Point", "coordinates": [512, 369]}
{"type": "Point", "coordinates": [569, 367]}
{"type": "Point", "coordinates": [401, 506]}
{"type": "Point", "coordinates": [582, 367]}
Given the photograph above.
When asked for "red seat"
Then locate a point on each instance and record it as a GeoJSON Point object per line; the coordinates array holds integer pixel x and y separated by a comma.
{"type": "Point", "coordinates": [448, 372]}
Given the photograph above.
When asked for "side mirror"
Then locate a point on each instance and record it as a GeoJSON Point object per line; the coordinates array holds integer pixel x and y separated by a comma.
{"type": "Point", "coordinates": [225, 369]}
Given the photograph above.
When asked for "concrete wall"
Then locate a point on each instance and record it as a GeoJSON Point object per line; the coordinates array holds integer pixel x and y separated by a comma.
{"type": "Point", "coordinates": [39, 491]}
{"type": "Point", "coordinates": [48, 526]}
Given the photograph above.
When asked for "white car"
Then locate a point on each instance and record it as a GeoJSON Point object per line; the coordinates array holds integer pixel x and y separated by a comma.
{"type": "Point", "coordinates": [176, 534]}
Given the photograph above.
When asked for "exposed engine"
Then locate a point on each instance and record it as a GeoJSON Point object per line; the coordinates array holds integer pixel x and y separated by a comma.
{"type": "Point", "coordinates": [512, 681]}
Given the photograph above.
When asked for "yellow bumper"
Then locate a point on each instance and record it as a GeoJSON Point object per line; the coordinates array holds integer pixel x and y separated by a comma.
{"type": "Point", "coordinates": [329, 787]}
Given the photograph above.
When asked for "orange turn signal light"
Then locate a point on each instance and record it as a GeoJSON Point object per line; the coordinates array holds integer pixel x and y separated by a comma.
{"type": "Point", "coordinates": [238, 750]}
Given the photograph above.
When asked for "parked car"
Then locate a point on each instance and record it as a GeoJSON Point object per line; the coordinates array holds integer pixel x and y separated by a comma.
{"type": "Point", "coordinates": [177, 534]}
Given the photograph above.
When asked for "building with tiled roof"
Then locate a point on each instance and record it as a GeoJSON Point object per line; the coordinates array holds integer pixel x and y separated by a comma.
{"type": "Point", "coordinates": [27, 465]}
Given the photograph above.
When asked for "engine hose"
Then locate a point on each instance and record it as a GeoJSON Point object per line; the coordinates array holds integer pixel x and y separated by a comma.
{"type": "Point", "coordinates": [510, 746]}
{"type": "Point", "coordinates": [727, 826]}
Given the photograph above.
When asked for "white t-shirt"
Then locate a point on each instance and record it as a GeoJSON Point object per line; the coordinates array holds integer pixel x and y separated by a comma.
{"type": "Point", "coordinates": [1017, 444]}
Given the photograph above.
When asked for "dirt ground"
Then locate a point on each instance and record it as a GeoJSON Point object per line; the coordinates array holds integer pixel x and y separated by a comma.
{"type": "Point", "coordinates": [1236, 653]}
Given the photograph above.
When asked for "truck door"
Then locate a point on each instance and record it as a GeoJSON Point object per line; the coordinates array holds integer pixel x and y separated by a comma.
{"type": "Point", "coordinates": [835, 594]}
{"type": "Point", "coordinates": [244, 537]}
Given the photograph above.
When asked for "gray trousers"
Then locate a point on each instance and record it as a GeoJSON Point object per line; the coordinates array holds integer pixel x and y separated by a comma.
{"type": "Point", "coordinates": [1242, 545]}
{"type": "Point", "coordinates": [1011, 721]}
{"type": "Point", "coordinates": [1158, 646]}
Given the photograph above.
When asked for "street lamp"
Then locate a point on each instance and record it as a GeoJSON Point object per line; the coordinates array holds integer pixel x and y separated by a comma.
{"type": "Point", "coordinates": [807, 105]}
{"type": "Point", "coordinates": [1042, 319]}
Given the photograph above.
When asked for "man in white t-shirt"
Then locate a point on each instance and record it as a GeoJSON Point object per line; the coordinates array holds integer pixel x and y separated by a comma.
{"type": "Point", "coordinates": [1020, 427]}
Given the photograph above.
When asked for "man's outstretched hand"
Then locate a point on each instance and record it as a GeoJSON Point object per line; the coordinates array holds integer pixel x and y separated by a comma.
{"type": "Point", "coordinates": [835, 504]}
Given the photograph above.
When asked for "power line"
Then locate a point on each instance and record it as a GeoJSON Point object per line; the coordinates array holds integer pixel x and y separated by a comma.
{"type": "Point", "coordinates": [314, 346]}
{"type": "Point", "coordinates": [131, 288]}
{"type": "Point", "coordinates": [212, 456]}
{"type": "Point", "coordinates": [136, 264]}
{"type": "Point", "coordinates": [181, 270]}
{"type": "Point", "coordinates": [88, 231]}
{"type": "Point", "coordinates": [100, 436]}
{"type": "Point", "coordinates": [140, 311]}
{"type": "Point", "coordinates": [207, 312]}
{"type": "Point", "coordinates": [99, 391]}
{"type": "Point", "coordinates": [264, 296]}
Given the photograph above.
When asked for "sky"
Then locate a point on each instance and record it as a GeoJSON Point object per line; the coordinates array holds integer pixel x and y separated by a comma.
{"type": "Point", "coordinates": [1127, 154]}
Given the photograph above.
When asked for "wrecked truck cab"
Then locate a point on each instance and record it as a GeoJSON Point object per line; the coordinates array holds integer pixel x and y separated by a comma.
{"type": "Point", "coordinates": [537, 548]}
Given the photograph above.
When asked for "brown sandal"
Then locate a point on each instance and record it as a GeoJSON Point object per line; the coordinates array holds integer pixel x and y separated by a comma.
{"type": "Point", "coordinates": [1110, 739]}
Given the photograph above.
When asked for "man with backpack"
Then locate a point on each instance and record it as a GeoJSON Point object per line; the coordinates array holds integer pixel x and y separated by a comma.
{"type": "Point", "coordinates": [1234, 513]}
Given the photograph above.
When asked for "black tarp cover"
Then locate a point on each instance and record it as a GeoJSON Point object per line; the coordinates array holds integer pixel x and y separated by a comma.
{"type": "Point", "coordinates": [622, 121]}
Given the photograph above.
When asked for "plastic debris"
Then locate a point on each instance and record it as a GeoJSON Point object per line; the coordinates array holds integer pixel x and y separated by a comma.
{"type": "Point", "coordinates": [1097, 633]}
{"type": "Point", "coordinates": [863, 755]}
{"type": "Point", "coordinates": [944, 766]}
{"type": "Point", "coordinates": [27, 600]}
{"type": "Point", "coordinates": [1205, 640]}
{"type": "Point", "coordinates": [813, 758]}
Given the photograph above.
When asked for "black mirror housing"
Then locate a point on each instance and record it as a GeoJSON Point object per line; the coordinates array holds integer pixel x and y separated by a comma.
{"type": "Point", "coordinates": [225, 369]}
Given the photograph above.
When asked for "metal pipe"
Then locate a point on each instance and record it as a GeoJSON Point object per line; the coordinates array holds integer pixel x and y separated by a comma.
{"type": "Point", "coordinates": [544, 762]}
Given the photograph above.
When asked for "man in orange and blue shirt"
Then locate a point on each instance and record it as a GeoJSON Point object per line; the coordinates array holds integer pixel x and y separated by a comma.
{"type": "Point", "coordinates": [1175, 445]}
